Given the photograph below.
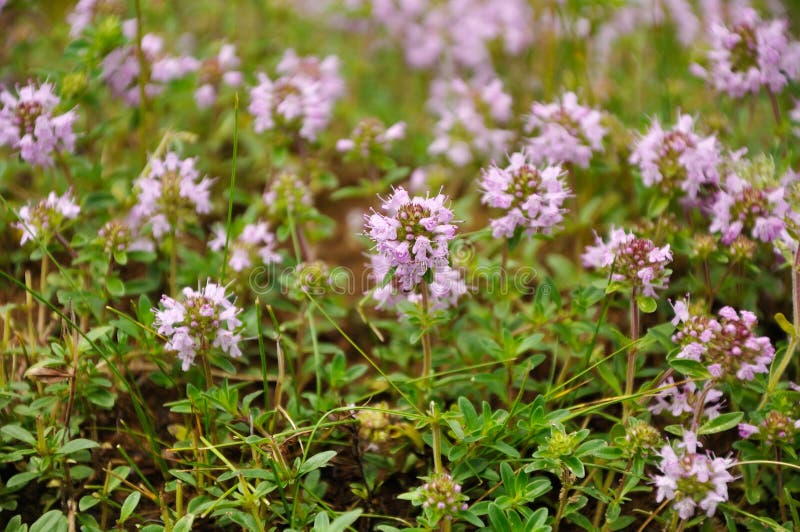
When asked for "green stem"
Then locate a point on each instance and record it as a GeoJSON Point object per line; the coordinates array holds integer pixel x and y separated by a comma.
{"type": "Point", "coordinates": [427, 362]}
{"type": "Point", "coordinates": [233, 184]}
{"type": "Point", "coordinates": [42, 288]}
{"type": "Point", "coordinates": [631, 374]}
{"type": "Point", "coordinates": [315, 347]}
{"type": "Point", "coordinates": [436, 431]}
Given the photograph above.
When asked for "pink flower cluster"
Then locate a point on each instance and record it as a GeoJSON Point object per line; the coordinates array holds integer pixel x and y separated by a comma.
{"type": "Point", "coordinates": [726, 346]}
{"type": "Point", "coordinates": [28, 124]}
{"type": "Point", "coordinates": [532, 197]}
{"type": "Point", "coordinates": [748, 201]}
{"type": "Point", "coordinates": [750, 54]}
{"type": "Point", "coordinates": [45, 218]}
{"type": "Point", "coordinates": [255, 242]}
{"type": "Point", "coordinates": [121, 66]}
{"type": "Point", "coordinates": [301, 99]}
{"type": "Point", "coordinates": [564, 132]}
{"type": "Point", "coordinates": [370, 137]}
{"type": "Point", "coordinates": [205, 319]}
{"type": "Point", "coordinates": [636, 262]}
{"type": "Point", "coordinates": [443, 496]}
{"type": "Point", "coordinates": [467, 114]}
{"type": "Point", "coordinates": [680, 400]}
{"type": "Point", "coordinates": [677, 158]}
{"type": "Point", "coordinates": [456, 32]}
{"type": "Point", "coordinates": [170, 193]}
{"type": "Point", "coordinates": [412, 236]}
{"type": "Point", "coordinates": [446, 286]}
{"type": "Point", "coordinates": [215, 71]}
{"type": "Point", "coordinates": [776, 427]}
{"type": "Point", "coordinates": [692, 479]}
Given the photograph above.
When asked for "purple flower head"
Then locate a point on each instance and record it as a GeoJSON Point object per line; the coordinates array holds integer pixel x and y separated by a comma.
{"type": "Point", "coordinates": [677, 159]}
{"type": "Point", "coordinates": [727, 345]}
{"type": "Point", "coordinates": [445, 289]}
{"type": "Point", "coordinates": [750, 200]}
{"type": "Point", "coordinates": [121, 66]}
{"type": "Point", "coordinates": [691, 479]}
{"type": "Point", "coordinates": [533, 198]}
{"type": "Point", "coordinates": [564, 132]}
{"type": "Point", "coordinates": [255, 245]}
{"type": "Point", "coordinates": [216, 71]}
{"type": "Point", "coordinates": [635, 262]}
{"type": "Point", "coordinates": [371, 138]}
{"type": "Point", "coordinates": [679, 401]}
{"type": "Point", "coordinates": [467, 114]}
{"type": "Point", "coordinates": [776, 428]}
{"type": "Point", "coordinates": [288, 194]}
{"type": "Point", "coordinates": [441, 495]}
{"type": "Point", "coordinates": [28, 124]}
{"type": "Point", "coordinates": [301, 99]}
{"type": "Point", "coordinates": [412, 236]}
{"type": "Point", "coordinates": [205, 319]}
{"type": "Point", "coordinates": [749, 54]}
{"type": "Point", "coordinates": [45, 218]}
{"type": "Point", "coordinates": [170, 194]}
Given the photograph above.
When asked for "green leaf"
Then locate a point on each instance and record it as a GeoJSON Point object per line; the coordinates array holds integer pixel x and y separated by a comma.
{"type": "Point", "coordinates": [721, 423]}
{"type": "Point", "coordinates": [317, 461]}
{"type": "Point", "coordinates": [18, 433]}
{"type": "Point", "coordinates": [52, 521]}
{"type": "Point", "coordinates": [646, 304]}
{"type": "Point", "coordinates": [130, 504]}
{"type": "Point", "coordinates": [343, 521]}
{"type": "Point", "coordinates": [184, 524]}
{"type": "Point", "coordinates": [115, 286]}
{"type": "Point", "coordinates": [21, 479]}
{"type": "Point", "coordinates": [77, 445]}
{"type": "Point", "coordinates": [87, 501]}
{"type": "Point", "coordinates": [690, 368]}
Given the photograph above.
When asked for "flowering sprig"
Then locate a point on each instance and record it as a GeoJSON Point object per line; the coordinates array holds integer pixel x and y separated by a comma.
{"type": "Point", "coordinates": [121, 68]}
{"type": "Point", "coordinates": [681, 400]}
{"type": "Point", "coordinates": [28, 124]}
{"type": "Point", "coordinates": [215, 71]}
{"type": "Point", "coordinates": [204, 320]}
{"type": "Point", "coordinates": [440, 497]}
{"type": "Point", "coordinates": [370, 139]}
{"type": "Point", "coordinates": [300, 100]}
{"type": "Point", "coordinates": [413, 235]}
{"type": "Point", "coordinates": [46, 218]}
{"type": "Point", "coordinates": [634, 262]}
{"type": "Point", "coordinates": [446, 287]}
{"type": "Point", "coordinates": [750, 54]}
{"type": "Point", "coordinates": [677, 159]}
{"type": "Point", "coordinates": [254, 245]}
{"type": "Point", "coordinates": [564, 132]}
{"type": "Point", "coordinates": [775, 428]}
{"type": "Point", "coordinates": [533, 197]}
{"type": "Point", "coordinates": [727, 345]}
{"type": "Point", "coordinates": [692, 479]}
{"type": "Point", "coordinates": [467, 113]}
{"type": "Point", "coordinates": [170, 194]}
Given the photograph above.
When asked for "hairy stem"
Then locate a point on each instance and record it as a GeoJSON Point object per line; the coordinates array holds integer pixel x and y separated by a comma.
{"type": "Point", "coordinates": [631, 374]}
{"type": "Point", "coordinates": [426, 340]}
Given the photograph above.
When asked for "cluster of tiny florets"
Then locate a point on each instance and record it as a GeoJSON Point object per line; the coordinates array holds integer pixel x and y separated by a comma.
{"type": "Point", "coordinates": [750, 54]}
{"type": "Point", "coordinates": [692, 479]}
{"type": "Point", "coordinates": [46, 217]}
{"type": "Point", "coordinates": [301, 99]}
{"type": "Point", "coordinates": [119, 236]}
{"type": "Point", "coordinates": [776, 427]}
{"type": "Point", "coordinates": [205, 319]}
{"type": "Point", "coordinates": [29, 125]}
{"type": "Point", "coordinates": [371, 138]}
{"type": "Point", "coordinates": [564, 132]}
{"type": "Point", "coordinates": [121, 69]}
{"type": "Point", "coordinates": [726, 345]}
{"type": "Point", "coordinates": [287, 195]}
{"type": "Point", "coordinates": [216, 71]}
{"type": "Point", "coordinates": [442, 495]}
{"type": "Point", "coordinates": [677, 159]}
{"type": "Point", "coordinates": [681, 400]}
{"type": "Point", "coordinates": [254, 245]}
{"type": "Point", "coordinates": [533, 197]}
{"type": "Point", "coordinates": [468, 114]}
{"type": "Point", "coordinates": [413, 235]}
{"type": "Point", "coordinates": [633, 261]}
{"type": "Point", "coordinates": [170, 194]}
